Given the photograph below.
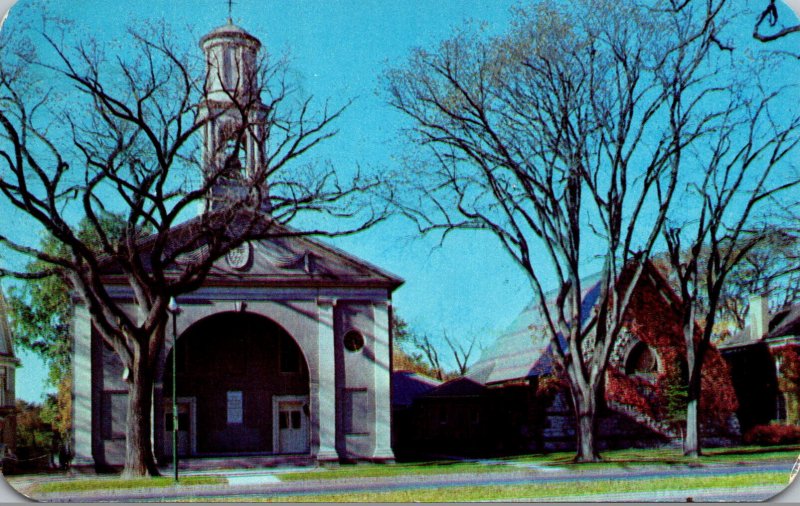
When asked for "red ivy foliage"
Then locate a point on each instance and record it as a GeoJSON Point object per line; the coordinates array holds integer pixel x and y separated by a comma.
{"type": "Point", "coordinates": [655, 321]}
{"type": "Point", "coordinates": [773, 434]}
{"type": "Point", "coordinates": [629, 390]}
{"type": "Point", "coordinates": [789, 373]}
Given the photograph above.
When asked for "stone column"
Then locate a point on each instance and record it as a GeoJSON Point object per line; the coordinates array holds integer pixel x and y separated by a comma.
{"type": "Point", "coordinates": [82, 387]}
{"type": "Point", "coordinates": [383, 394]}
{"type": "Point", "coordinates": [325, 394]}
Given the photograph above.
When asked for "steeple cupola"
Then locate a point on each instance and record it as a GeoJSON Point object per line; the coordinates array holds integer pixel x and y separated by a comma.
{"type": "Point", "coordinates": [231, 60]}
{"type": "Point", "coordinates": [235, 118]}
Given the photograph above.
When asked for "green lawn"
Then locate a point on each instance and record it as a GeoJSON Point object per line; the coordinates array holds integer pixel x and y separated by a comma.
{"type": "Point", "coordinates": [83, 485]}
{"type": "Point", "coordinates": [672, 456]}
{"type": "Point", "coordinates": [631, 458]}
{"type": "Point", "coordinates": [378, 470]}
{"type": "Point", "coordinates": [544, 490]}
{"type": "Point", "coordinates": [614, 459]}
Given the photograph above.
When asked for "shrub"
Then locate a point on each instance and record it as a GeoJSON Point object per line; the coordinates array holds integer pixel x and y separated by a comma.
{"type": "Point", "coordinates": [773, 434]}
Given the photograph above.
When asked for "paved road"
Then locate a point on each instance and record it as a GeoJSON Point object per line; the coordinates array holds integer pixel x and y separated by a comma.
{"type": "Point", "coordinates": [270, 488]}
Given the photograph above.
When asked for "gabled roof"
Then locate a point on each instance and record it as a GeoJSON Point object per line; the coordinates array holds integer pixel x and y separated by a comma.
{"type": "Point", "coordinates": [284, 258]}
{"type": "Point", "coordinates": [525, 350]}
{"type": "Point", "coordinates": [288, 261]}
{"type": "Point", "coordinates": [408, 385]}
{"type": "Point", "coordinates": [458, 387]}
{"type": "Point", "coordinates": [785, 323]}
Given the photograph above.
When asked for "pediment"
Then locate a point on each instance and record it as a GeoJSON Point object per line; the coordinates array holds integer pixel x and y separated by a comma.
{"type": "Point", "coordinates": [283, 258]}
{"type": "Point", "coordinates": [295, 260]}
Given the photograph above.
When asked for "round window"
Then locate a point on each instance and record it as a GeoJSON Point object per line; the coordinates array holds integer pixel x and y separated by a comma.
{"type": "Point", "coordinates": [353, 341]}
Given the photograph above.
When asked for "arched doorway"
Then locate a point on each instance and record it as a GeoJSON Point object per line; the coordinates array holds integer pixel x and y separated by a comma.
{"type": "Point", "coordinates": [242, 388]}
{"type": "Point", "coordinates": [642, 361]}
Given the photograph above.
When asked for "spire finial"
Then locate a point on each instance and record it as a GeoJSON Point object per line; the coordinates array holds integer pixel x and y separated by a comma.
{"type": "Point", "coordinates": [230, 11]}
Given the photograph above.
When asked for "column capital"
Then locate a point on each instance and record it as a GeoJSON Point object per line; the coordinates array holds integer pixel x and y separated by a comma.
{"type": "Point", "coordinates": [326, 301]}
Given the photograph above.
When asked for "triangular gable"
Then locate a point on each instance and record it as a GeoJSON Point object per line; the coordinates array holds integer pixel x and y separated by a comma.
{"type": "Point", "coordinates": [525, 350]}
{"type": "Point", "coordinates": [297, 260]}
{"type": "Point", "coordinates": [408, 385]}
{"type": "Point", "coordinates": [285, 258]}
{"type": "Point", "coordinates": [458, 387]}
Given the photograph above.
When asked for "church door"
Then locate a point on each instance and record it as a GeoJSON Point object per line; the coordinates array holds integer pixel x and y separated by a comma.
{"type": "Point", "coordinates": [291, 423]}
{"type": "Point", "coordinates": [186, 420]}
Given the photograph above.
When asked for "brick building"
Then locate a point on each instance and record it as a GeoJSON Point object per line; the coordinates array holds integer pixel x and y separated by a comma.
{"type": "Point", "coordinates": [509, 403]}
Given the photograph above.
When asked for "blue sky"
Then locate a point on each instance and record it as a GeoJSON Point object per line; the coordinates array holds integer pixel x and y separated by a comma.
{"type": "Point", "coordinates": [469, 285]}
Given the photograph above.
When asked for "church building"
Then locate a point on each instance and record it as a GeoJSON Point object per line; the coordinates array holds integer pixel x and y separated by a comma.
{"type": "Point", "coordinates": [285, 349]}
{"type": "Point", "coordinates": [8, 367]}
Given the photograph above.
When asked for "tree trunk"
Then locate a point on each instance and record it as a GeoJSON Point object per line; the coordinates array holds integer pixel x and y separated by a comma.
{"type": "Point", "coordinates": [586, 438]}
{"type": "Point", "coordinates": [139, 460]}
{"type": "Point", "coordinates": [585, 428]}
{"type": "Point", "coordinates": [694, 359]}
{"type": "Point", "coordinates": [691, 443]}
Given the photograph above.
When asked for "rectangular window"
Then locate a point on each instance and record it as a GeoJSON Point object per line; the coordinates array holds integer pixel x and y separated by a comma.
{"type": "Point", "coordinates": [115, 410]}
{"type": "Point", "coordinates": [3, 386]}
{"type": "Point", "coordinates": [780, 407]}
{"type": "Point", "coordinates": [235, 407]}
{"type": "Point", "coordinates": [356, 409]}
{"type": "Point", "coordinates": [119, 418]}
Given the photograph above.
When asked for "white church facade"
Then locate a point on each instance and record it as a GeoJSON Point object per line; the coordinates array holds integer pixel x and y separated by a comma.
{"type": "Point", "coordinates": [284, 350]}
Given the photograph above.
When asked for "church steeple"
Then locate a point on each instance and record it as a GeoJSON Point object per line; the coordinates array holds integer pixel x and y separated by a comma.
{"type": "Point", "coordinates": [235, 118]}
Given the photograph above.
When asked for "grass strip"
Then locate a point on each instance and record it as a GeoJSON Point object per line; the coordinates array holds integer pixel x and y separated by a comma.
{"type": "Point", "coordinates": [613, 459]}
{"type": "Point", "coordinates": [85, 485]}
{"type": "Point", "coordinates": [543, 490]}
{"type": "Point", "coordinates": [382, 470]}
{"type": "Point", "coordinates": [668, 456]}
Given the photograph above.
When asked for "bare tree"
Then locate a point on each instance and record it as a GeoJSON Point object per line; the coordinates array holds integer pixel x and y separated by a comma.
{"type": "Point", "coordinates": [740, 174]}
{"type": "Point", "coordinates": [556, 138]}
{"type": "Point", "coordinates": [88, 135]}
{"type": "Point", "coordinates": [430, 352]}
{"type": "Point", "coordinates": [769, 268]}
{"type": "Point", "coordinates": [461, 352]}
{"type": "Point", "coordinates": [770, 15]}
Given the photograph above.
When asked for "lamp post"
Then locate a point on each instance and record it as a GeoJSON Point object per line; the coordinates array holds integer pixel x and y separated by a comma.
{"type": "Point", "coordinates": [174, 310]}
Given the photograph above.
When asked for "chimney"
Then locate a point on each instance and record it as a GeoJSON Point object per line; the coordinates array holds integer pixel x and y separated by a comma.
{"type": "Point", "coordinates": [759, 317]}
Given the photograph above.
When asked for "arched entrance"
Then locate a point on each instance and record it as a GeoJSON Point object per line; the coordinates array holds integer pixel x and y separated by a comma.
{"type": "Point", "coordinates": [242, 388]}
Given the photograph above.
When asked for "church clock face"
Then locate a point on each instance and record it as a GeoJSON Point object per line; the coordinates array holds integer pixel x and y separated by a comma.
{"type": "Point", "coordinates": [239, 256]}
